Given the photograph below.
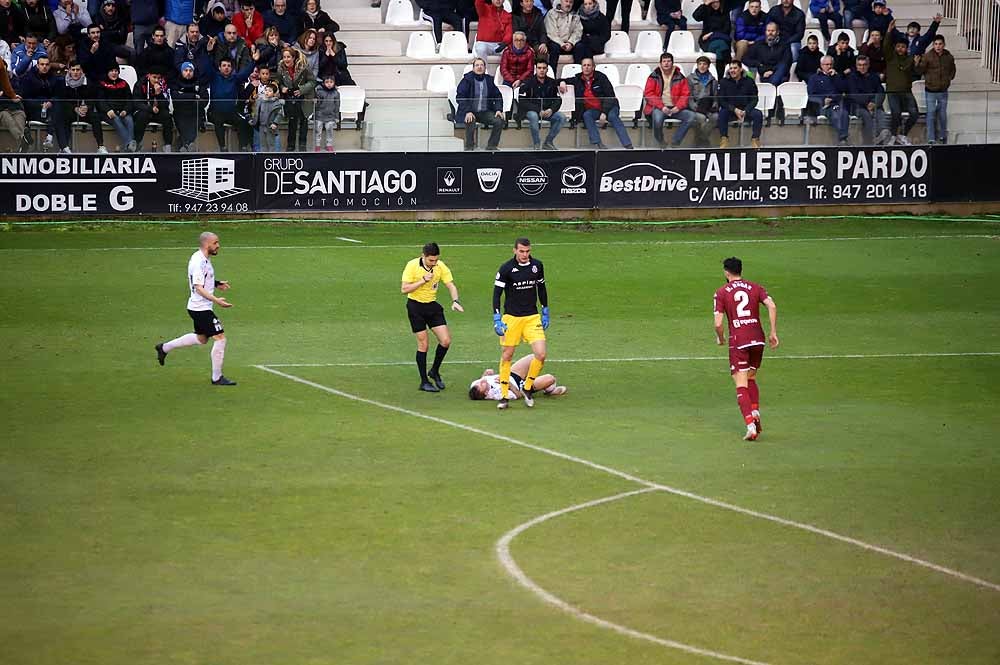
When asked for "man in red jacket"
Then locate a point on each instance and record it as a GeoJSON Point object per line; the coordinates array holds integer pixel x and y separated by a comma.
{"type": "Point", "coordinates": [249, 22]}
{"type": "Point", "coordinates": [517, 62]}
{"type": "Point", "coordinates": [494, 31]}
{"type": "Point", "coordinates": [667, 102]}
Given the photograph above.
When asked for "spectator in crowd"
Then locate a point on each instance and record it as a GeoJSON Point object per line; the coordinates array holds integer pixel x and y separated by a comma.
{"type": "Point", "coordinates": [531, 22]}
{"type": "Point", "coordinates": [146, 17]}
{"type": "Point", "coordinates": [596, 28]}
{"type": "Point", "coordinates": [479, 102]}
{"type": "Point", "coordinates": [233, 47]}
{"type": "Point", "coordinates": [226, 93]}
{"type": "Point", "coordinates": [667, 94]}
{"type": "Point", "coordinates": [738, 101]}
{"type": "Point", "coordinates": [62, 52]}
{"type": "Point", "coordinates": [314, 18]}
{"type": "Point", "coordinates": [517, 62]}
{"type": "Point", "coordinates": [899, 74]}
{"type": "Point", "coordinates": [880, 19]}
{"type": "Point", "coordinates": [194, 48]}
{"type": "Point", "coordinates": [25, 55]}
{"type": "Point", "coordinates": [74, 102]}
{"type": "Point", "coordinates": [872, 49]}
{"type": "Point", "coordinates": [249, 22]}
{"type": "Point", "coordinates": [494, 32]}
{"type": "Point", "coordinates": [285, 22]}
{"type": "Point", "coordinates": [326, 113]}
{"type": "Point", "coordinates": [843, 55]}
{"type": "Point", "coordinates": [564, 32]}
{"type": "Point", "coordinates": [856, 13]}
{"type": "Point", "coordinates": [308, 45]}
{"type": "Point", "coordinates": [269, 112]}
{"type": "Point", "coordinates": [670, 15]}
{"type": "Point", "coordinates": [596, 104]}
{"type": "Point", "coordinates": [539, 101]}
{"type": "Point", "coordinates": [214, 21]}
{"type": "Point", "coordinates": [37, 90]}
{"type": "Point", "coordinates": [771, 61]}
{"type": "Point", "coordinates": [114, 28]}
{"type": "Point", "coordinates": [702, 101]}
{"type": "Point", "coordinates": [11, 25]}
{"type": "Point", "coordinates": [826, 97]}
{"type": "Point", "coordinates": [791, 24]}
{"type": "Point", "coordinates": [12, 118]}
{"type": "Point", "coordinates": [918, 42]}
{"type": "Point", "coordinates": [178, 15]}
{"type": "Point", "coordinates": [808, 62]}
{"type": "Point", "coordinates": [333, 61]}
{"type": "Point", "coordinates": [865, 99]}
{"type": "Point", "coordinates": [750, 28]}
{"type": "Point", "coordinates": [938, 67]}
{"type": "Point", "coordinates": [114, 105]}
{"type": "Point", "coordinates": [39, 20]}
{"type": "Point", "coordinates": [270, 48]}
{"type": "Point", "coordinates": [188, 116]}
{"type": "Point", "coordinates": [297, 85]}
{"type": "Point", "coordinates": [626, 11]}
{"type": "Point", "coordinates": [71, 16]}
{"type": "Point", "coordinates": [439, 12]}
{"type": "Point", "coordinates": [157, 57]}
{"type": "Point", "coordinates": [826, 12]}
{"type": "Point", "coordinates": [715, 32]}
{"type": "Point", "coordinates": [151, 98]}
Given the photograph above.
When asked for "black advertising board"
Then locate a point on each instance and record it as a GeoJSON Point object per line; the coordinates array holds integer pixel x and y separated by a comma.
{"type": "Point", "coordinates": [425, 181]}
{"type": "Point", "coordinates": [126, 184]}
{"type": "Point", "coordinates": [966, 173]}
{"type": "Point", "coordinates": [766, 177]}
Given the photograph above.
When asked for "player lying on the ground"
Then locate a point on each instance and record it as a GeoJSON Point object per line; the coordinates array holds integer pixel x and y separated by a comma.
{"type": "Point", "coordinates": [488, 385]}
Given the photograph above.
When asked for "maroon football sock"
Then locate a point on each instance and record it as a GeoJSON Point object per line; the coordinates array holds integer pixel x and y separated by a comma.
{"type": "Point", "coordinates": [743, 399]}
{"type": "Point", "coordinates": [754, 395]}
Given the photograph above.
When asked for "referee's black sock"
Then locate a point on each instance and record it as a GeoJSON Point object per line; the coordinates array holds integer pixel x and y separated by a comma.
{"type": "Point", "coordinates": [439, 355]}
{"type": "Point", "coordinates": [422, 365]}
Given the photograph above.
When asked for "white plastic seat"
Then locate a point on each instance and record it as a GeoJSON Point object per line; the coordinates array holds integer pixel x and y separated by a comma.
{"type": "Point", "coordinates": [507, 93]}
{"type": "Point", "coordinates": [611, 71]}
{"type": "Point", "coordinates": [635, 15]}
{"type": "Point", "coordinates": [570, 70]}
{"type": "Point", "coordinates": [568, 106]}
{"type": "Point", "coordinates": [441, 79]}
{"type": "Point", "coordinates": [352, 102]}
{"type": "Point", "coordinates": [637, 73]}
{"type": "Point", "coordinates": [649, 45]}
{"type": "Point", "coordinates": [454, 45]}
{"type": "Point", "coordinates": [683, 46]}
{"type": "Point", "coordinates": [421, 46]}
{"type": "Point", "coordinates": [834, 34]}
{"type": "Point", "coordinates": [767, 95]}
{"type": "Point", "coordinates": [618, 46]}
{"type": "Point", "coordinates": [819, 36]}
{"type": "Point", "coordinates": [688, 7]}
{"type": "Point", "coordinates": [400, 14]}
{"type": "Point", "coordinates": [919, 91]}
{"type": "Point", "coordinates": [128, 74]}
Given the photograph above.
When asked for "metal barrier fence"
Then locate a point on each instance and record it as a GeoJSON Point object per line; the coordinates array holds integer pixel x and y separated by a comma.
{"type": "Point", "coordinates": [979, 23]}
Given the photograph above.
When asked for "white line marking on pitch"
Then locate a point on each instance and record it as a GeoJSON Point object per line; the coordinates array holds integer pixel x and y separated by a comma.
{"type": "Point", "coordinates": [647, 484]}
{"type": "Point", "coordinates": [510, 565]}
{"type": "Point", "coordinates": [651, 359]}
{"type": "Point", "coordinates": [640, 243]}
{"type": "Point", "coordinates": [349, 239]}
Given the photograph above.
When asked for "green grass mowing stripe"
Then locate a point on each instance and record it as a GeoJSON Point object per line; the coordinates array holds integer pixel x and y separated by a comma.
{"type": "Point", "coordinates": [666, 488]}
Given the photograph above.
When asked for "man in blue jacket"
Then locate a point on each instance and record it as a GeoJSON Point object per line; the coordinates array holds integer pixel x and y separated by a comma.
{"type": "Point", "coordinates": [826, 95]}
{"type": "Point", "coordinates": [791, 25]}
{"type": "Point", "coordinates": [738, 101]}
{"type": "Point", "coordinates": [193, 48]}
{"type": "Point", "coordinates": [283, 20]}
{"type": "Point", "coordinates": [479, 101]}
{"type": "Point", "coordinates": [25, 55]}
{"type": "Point", "coordinates": [228, 91]}
{"type": "Point", "coordinates": [865, 99]}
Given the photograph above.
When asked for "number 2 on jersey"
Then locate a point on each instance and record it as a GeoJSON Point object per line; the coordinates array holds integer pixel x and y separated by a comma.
{"type": "Point", "coordinates": [742, 299]}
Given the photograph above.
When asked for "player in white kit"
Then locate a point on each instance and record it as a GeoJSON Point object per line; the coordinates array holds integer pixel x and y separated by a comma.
{"type": "Point", "coordinates": [488, 385]}
{"type": "Point", "coordinates": [202, 283]}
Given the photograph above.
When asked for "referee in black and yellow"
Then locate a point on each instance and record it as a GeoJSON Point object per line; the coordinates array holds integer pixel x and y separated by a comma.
{"type": "Point", "coordinates": [421, 277]}
{"type": "Point", "coordinates": [521, 281]}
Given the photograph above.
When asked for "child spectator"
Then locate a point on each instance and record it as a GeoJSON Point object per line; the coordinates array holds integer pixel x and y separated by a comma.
{"type": "Point", "coordinates": [270, 111]}
{"type": "Point", "coordinates": [326, 113]}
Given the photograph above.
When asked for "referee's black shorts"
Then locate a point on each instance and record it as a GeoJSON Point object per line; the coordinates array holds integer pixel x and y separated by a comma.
{"type": "Point", "coordinates": [424, 315]}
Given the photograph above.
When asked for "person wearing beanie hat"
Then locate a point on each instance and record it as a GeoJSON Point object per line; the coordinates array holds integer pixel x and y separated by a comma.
{"type": "Point", "coordinates": [187, 107]}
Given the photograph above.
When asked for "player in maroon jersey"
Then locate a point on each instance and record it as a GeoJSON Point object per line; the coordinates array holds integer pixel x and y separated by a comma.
{"type": "Point", "coordinates": [740, 301]}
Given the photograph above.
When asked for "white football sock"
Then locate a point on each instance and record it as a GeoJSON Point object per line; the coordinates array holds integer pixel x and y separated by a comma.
{"type": "Point", "coordinates": [218, 353]}
{"type": "Point", "coordinates": [189, 339]}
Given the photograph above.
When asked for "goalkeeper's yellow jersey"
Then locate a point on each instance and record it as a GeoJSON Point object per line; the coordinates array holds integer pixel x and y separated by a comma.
{"type": "Point", "coordinates": [415, 271]}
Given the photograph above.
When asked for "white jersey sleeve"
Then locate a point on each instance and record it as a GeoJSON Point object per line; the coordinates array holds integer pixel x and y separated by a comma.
{"type": "Point", "coordinates": [493, 387]}
{"type": "Point", "coordinates": [200, 273]}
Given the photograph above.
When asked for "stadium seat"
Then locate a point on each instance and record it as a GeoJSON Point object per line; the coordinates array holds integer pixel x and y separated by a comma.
{"type": "Point", "coordinates": [834, 34]}
{"type": "Point", "coordinates": [400, 14]}
{"type": "Point", "coordinates": [454, 45]}
{"type": "Point", "coordinates": [819, 36]}
{"type": "Point", "coordinates": [507, 93]}
{"type": "Point", "coordinates": [630, 102]}
{"type": "Point", "coordinates": [794, 98]}
{"type": "Point", "coordinates": [688, 7]}
{"type": "Point", "coordinates": [634, 16]}
{"type": "Point", "coordinates": [649, 45]}
{"type": "Point", "coordinates": [568, 106]}
{"type": "Point", "coordinates": [920, 93]}
{"type": "Point", "coordinates": [128, 74]}
{"type": "Point", "coordinates": [637, 73]}
{"type": "Point", "coordinates": [352, 104]}
{"type": "Point", "coordinates": [611, 71]}
{"type": "Point", "coordinates": [441, 79]}
{"type": "Point", "coordinates": [618, 46]}
{"type": "Point", "coordinates": [421, 46]}
{"type": "Point", "coordinates": [570, 70]}
{"type": "Point", "coordinates": [766, 97]}
{"type": "Point", "coordinates": [683, 46]}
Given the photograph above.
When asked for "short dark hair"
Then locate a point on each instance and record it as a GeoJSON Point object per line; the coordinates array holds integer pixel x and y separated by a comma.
{"type": "Point", "coordinates": [734, 61]}
{"type": "Point", "coordinates": [225, 59]}
{"type": "Point", "coordinates": [666, 54]}
{"type": "Point", "coordinates": [431, 249]}
{"type": "Point", "coordinates": [523, 242]}
{"type": "Point", "coordinates": [843, 37]}
{"type": "Point", "coordinates": [73, 63]}
{"type": "Point", "coordinates": [733, 266]}
{"type": "Point", "coordinates": [474, 392]}
{"type": "Point", "coordinates": [939, 38]}
{"type": "Point", "coordinates": [912, 24]}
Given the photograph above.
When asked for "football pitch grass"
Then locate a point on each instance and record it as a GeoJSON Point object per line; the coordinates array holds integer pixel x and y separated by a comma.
{"type": "Point", "coordinates": [325, 511]}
